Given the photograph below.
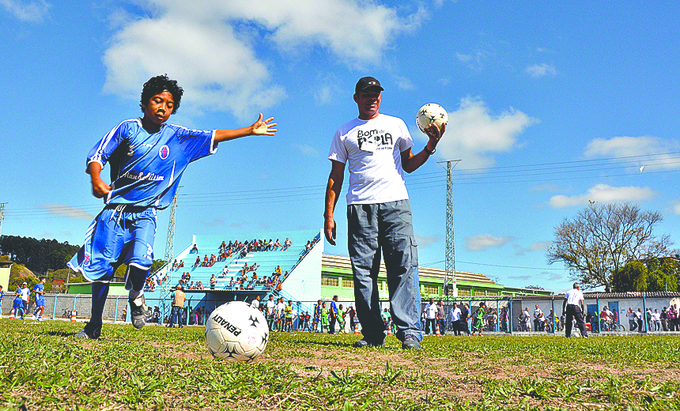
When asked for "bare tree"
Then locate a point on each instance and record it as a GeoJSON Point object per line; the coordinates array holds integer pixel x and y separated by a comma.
{"type": "Point", "coordinates": [602, 238]}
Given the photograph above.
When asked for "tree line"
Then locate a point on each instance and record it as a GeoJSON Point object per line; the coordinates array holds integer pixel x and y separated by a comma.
{"type": "Point", "coordinates": [46, 258]}
{"type": "Point", "coordinates": [39, 256]}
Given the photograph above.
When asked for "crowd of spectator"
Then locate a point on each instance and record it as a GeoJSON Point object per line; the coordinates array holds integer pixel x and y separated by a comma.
{"type": "Point", "coordinates": [326, 317]}
{"type": "Point", "coordinates": [668, 319]}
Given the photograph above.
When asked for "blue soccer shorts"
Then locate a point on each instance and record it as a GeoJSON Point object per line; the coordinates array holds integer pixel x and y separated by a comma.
{"type": "Point", "coordinates": [118, 235]}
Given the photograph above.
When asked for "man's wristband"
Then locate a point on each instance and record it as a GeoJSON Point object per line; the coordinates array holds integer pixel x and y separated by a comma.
{"type": "Point", "coordinates": [429, 153]}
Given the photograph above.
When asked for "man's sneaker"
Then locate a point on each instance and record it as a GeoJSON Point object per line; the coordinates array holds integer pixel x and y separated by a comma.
{"type": "Point", "coordinates": [363, 343]}
{"type": "Point", "coordinates": [410, 343]}
{"type": "Point", "coordinates": [138, 311]}
{"type": "Point", "coordinates": [89, 332]}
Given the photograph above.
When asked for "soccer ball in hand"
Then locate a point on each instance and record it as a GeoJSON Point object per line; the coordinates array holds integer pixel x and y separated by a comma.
{"type": "Point", "coordinates": [236, 331]}
{"type": "Point", "coordinates": [431, 113]}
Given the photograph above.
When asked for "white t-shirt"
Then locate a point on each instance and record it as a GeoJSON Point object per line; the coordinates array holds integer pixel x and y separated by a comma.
{"type": "Point", "coordinates": [574, 296]}
{"type": "Point", "coordinates": [25, 293]}
{"type": "Point", "coordinates": [431, 311]}
{"type": "Point", "coordinates": [455, 314]}
{"type": "Point", "coordinates": [255, 303]}
{"type": "Point", "coordinates": [538, 314]}
{"type": "Point", "coordinates": [270, 306]}
{"type": "Point", "coordinates": [372, 149]}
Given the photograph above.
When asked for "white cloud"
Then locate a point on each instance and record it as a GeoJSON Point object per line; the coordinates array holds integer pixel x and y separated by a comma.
{"type": "Point", "coordinates": [475, 61]}
{"type": "Point", "coordinates": [637, 146]}
{"type": "Point", "coordinates": [538, 246]}
{"type": "Point", "coordinates": [209, 46]}
{"type": "Point", "coordinates": [474, 135]}
{"type": "Point", "coordinates": [603, 193]}
{"type": "Point", "coordinates": [68, 211]}
{"type": "Point", "coordinates": [553, 277]}
{"type": "Point", "coordinates": [327, 88]}
{"type": "Point", "coordinates": [484, 241]}
{"type": "Point", "coordinates": [676, 207]}
{"type": "Point", "coordinates": [34, 12]}
{"type": "Point", "coordinates": [426, 241]}
{"type": "Point", "coordinates": [308, 150]}
{"type": "Point", "coordinates": [541, 70]}
{"type": "Point", "coordinates": [404, 83]}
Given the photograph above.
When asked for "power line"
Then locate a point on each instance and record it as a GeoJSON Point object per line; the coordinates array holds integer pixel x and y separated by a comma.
{"type": "Point", "coordinates": [500, 266]}
{"type": "Point", "coordinates": [515, 174]}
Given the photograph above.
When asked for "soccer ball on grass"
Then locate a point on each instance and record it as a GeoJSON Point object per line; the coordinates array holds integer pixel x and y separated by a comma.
{"type": "Point", "coordinates": [236, 331]}
{"type": "Point", "coordinates": [431, 113]}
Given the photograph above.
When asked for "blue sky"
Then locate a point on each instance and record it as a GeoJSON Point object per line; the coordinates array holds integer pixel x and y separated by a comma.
{"type": "Point", "coordinates": [550, 105]}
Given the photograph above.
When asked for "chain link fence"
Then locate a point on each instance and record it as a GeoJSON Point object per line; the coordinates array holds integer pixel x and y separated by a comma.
{"type": "Point", "coordinates": [639, 313]}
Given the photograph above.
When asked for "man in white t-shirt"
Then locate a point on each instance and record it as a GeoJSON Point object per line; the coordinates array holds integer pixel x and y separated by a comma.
{"type": "Point", "coordinates": [573, 301]}
{"type": "Point", "coordinates": [280, 308]}
{"type": "Point", "coordinates": [538, 319]}
{"type": "Point", "coordinates": [430, 316]}
{"type": "Point", "coordinates": [455, 319]}
{"type": "Point", "coordinates": [376, 148]}
{"type": "Point", "coordinates": [25, 294]}
{"type": "Point", "coordinates": [271, 309]}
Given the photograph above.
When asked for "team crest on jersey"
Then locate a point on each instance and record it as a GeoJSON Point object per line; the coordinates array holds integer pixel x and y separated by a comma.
{"type": "Point", "coordinates": [164, 152]}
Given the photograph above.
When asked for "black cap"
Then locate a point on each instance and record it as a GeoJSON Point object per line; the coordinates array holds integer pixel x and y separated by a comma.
{"type": "Point", "coordinates": [367, 82]}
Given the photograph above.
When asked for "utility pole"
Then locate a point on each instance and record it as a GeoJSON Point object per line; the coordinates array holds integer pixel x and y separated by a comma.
{"type": "Point", "coordinates": [450, 288]}
{"type": "Point", "coordinates": [170, 241]}
{"type": "Point", "coordinates": [2, 215]}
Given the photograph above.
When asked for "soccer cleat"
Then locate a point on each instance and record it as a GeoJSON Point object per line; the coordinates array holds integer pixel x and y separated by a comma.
{"type": "Point", "coordinates": [410, 343]}
{"type": "Point", "coordinates": [89, 332]}
{"type": "Point", "coordinates": [138, 311]}
{"type": "Point", "coordinates": [363, 343]}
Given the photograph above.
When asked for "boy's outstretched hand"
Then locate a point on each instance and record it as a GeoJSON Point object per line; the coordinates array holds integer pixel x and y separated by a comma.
{"type": "Point", "coordinates": [263, 128]}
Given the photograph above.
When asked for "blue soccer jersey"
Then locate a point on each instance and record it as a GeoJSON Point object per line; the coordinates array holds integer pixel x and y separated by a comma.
{"type": "Point", "coordinates": [145, 173]}
{"type": "Point", "coordinates": [39, 297]}
{"type": "Point", "coordinates": [146, 168]}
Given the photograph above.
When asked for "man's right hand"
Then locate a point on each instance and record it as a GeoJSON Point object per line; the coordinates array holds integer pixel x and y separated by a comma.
{"type": "Point", "coordinates": [329, 229]}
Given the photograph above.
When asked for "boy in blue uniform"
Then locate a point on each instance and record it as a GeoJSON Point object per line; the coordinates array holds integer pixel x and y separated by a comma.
{"type": "Point", "coordinates": [18, 306]}
{"type": "Point", "coordinates": [147, 158]}
{"type": "Point", "coordinates": [39, 291]}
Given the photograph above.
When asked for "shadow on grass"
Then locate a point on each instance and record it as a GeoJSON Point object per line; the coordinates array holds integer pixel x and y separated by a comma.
{"type": "Point", "coordinates": [333, 344]}
{"type": "Point", "coordinates": [61, 333]}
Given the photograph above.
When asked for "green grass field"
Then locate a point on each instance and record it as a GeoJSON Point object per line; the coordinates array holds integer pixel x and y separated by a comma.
{"type": "Point", "coordinates": [44, 367]}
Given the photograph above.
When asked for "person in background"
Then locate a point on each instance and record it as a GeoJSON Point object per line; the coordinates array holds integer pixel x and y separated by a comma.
{"type": "Point", "coordinates": [441, 317]}
{"type": "Point", "coordinates": [39, 295]}
{"type": "Point", "coordinates": [178, 299]}
{"type": "Point", "coordinates": [574, 306]}
{"type": "Point", "coordinates": [430, 317]}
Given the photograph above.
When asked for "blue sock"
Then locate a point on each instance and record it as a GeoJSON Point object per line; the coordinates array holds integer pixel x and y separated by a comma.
{"type": "Point", "coordinates": [99, 293]}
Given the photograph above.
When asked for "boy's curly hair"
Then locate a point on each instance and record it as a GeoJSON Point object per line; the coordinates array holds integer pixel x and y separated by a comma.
{"type": "Point", "coordinates": [159, 84]}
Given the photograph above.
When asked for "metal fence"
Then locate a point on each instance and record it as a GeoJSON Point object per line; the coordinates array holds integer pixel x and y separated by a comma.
{"type": "Point", "coordinates": [116, 307]}
{"type": "Point", "coordinates": [63, 305]}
